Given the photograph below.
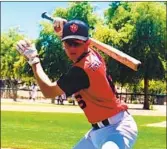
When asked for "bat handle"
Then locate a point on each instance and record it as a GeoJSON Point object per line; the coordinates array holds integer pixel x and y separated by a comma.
{"type": "Point", "coordinates": [46, 16]}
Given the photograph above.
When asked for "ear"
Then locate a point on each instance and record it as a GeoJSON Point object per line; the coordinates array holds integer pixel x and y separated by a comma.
{"type": "Point", "coordinates": [87, 42]}
{"type": "Point", "coordinates": [63, 45]}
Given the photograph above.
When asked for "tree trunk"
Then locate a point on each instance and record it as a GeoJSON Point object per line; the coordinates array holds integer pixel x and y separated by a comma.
{"type": "Point", "coordinates": [146, 101]}
{"type": "Point", "coordinates": [53, 100]}
{"type": "Point", "coordinates": [14, 89]}
{"type": "Point", "coordinates": [14, 94]}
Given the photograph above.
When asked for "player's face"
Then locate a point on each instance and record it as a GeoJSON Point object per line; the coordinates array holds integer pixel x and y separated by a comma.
{"type": "Point", "coordinates": [74, 48]}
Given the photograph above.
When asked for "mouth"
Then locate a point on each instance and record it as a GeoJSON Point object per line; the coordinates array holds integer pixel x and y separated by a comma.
{"type": "Point", "coordinates": [73, 53]}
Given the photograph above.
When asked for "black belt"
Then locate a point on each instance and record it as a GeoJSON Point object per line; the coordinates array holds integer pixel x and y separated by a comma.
{"type": "Point", "coordinates": [104, 122]}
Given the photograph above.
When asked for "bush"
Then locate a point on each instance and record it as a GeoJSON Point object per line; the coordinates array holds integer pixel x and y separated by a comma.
{"type": "Point", "coordinates": [69, 100]}
{"type": "Point", "coordinates": [134, 102]}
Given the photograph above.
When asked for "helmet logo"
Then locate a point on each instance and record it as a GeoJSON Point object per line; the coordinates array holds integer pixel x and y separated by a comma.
{"type": "Point", "coordinates": [73, 28]}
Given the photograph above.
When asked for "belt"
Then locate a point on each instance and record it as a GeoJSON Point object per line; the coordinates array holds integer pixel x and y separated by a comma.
{"type": "Point", "coordinates": [104, 122]}
{"type": "Point", "coordinates": [111, 120]}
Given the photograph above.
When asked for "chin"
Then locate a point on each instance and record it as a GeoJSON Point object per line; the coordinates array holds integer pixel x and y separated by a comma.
{"type": "Point", "coordinates": [72, 57]}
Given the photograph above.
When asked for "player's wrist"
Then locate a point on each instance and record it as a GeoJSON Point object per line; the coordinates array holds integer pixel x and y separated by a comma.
{"type": "Point", "coordinates": [34, 60]}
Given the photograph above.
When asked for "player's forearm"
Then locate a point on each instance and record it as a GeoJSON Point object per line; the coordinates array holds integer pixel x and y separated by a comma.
{"type": "Point", "coordinates": [46, 86]}
{"type": "Point", "coordinates": [29, 51]}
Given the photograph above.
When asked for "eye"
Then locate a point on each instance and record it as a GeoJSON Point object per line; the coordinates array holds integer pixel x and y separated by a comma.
{"type": "Point", "coordinates": [73, 43]}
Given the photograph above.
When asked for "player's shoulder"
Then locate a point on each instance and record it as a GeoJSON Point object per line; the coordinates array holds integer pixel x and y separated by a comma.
{"type": "Point", "coordinates": [77, 71]}
{"type": "Point", "coordinates": [91, 61]}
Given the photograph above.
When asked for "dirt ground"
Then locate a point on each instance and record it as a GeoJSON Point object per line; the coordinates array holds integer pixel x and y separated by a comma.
{"type": "Point", "coordinates": [46, 106]}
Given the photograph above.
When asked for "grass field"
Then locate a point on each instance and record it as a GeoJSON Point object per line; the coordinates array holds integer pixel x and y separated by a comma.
{"type": "Point", "coordinates": [34, 130]}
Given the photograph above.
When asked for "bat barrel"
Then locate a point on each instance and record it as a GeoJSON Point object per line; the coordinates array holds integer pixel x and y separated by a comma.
{"type": "Point", "coordinates": [116, 54]}
{"type": "Point", "coordinates": [138, 66]}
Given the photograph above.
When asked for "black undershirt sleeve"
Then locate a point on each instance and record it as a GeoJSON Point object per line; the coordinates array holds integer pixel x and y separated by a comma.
{"type": "Point", "coordinates": [75, 80]}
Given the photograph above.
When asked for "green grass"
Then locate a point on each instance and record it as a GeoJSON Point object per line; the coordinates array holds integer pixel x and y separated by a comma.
{"type": "Point", "coordinates": [34, 130]}
{"type": "Point", "coordinates": [150, 137]}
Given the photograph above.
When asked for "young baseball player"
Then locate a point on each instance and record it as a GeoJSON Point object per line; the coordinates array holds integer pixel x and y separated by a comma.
{"type": "Point", "coordinates": [112, 126]}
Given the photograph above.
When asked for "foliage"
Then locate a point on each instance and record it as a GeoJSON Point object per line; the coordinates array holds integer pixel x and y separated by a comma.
{"type": "Point", "coordinates": [9, 55]}
{"type": "Point", "coordinates": [110, 12]}
{"type": "Point", "coordinates": [136, 28]}
{"type": "Point", "coordinates": [49, 46]}
{"type": "Point", "coordinates": [118, 33]}
{"type": "Point", "coordinates": [82, 11]}
{"type": "Point", "coordinates": [52, 55]}
{"type": "Point", "coordinates": [140, 31]}
{"type": "Point", "coordinates": [155, 87]}
{"type": "Point", "coordinates": [149, 38]}
{"type": "Point", "coordinates": [60, 12]}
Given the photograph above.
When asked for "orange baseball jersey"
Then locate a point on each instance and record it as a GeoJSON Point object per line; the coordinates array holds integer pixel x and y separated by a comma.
{"type": "Point", "coordinates": [97, 96]}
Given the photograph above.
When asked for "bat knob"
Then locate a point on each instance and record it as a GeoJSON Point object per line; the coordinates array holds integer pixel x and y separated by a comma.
{"type": "Point", "coordinates": [43, 14]}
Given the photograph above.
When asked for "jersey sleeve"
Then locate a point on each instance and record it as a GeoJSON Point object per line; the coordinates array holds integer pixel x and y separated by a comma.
{"type": "Point", "coordinates": [75, 80]}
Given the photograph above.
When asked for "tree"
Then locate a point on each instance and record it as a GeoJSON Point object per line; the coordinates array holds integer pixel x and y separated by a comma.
{"type": "Point", "coordinates": [8, 53]}
{"type": "Point", "coordinates": [60, 12]}
{"type": "Point", "coordinates": [82, 11]}
{"type": "Point", "coordinates": [140, 31]}
{"type": "Point", "coordinates": [52, 55]}
{"type": "Point", "coordinates": [149, 38]}
{"type": "Point", "coordinates": [9, 57]}
{"type": "Point", "coordinates": [118, 32]}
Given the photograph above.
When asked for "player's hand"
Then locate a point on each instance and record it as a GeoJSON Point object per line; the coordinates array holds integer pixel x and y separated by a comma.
{"type": "Point", "coordinates": [58, 26]}
{"type": "Point", "coordinates": [28, 50]}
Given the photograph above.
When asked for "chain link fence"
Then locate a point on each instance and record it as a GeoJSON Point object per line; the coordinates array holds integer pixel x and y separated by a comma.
{"type": "Point", "coordinates": [132, 98]}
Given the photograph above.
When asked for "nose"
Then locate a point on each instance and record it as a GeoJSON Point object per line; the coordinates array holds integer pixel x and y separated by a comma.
{"type": "Point", "coordinates": [72, 48]}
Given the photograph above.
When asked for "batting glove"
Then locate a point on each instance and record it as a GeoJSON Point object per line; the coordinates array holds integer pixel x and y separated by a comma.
{"type": "Point", "coordinates": [58, 26]}
{"type": "Point", "coordinates": [28, 50]}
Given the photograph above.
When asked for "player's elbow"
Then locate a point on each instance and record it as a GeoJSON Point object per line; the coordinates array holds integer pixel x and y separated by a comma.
{"type": "Point", "coordinates": [51, 91]}
{"type": "Point", "coordinates": [49, 94]}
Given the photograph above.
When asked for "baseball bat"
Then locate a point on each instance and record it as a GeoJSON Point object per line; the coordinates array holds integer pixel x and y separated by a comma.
{"type": "Point", "coordinates": [46, 16]}
{"type": "Point", "coordinates": [110, 51]}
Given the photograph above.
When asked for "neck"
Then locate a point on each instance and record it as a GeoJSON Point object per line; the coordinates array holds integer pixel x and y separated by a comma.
{"type": "Point", "coordinates": [82, 56]}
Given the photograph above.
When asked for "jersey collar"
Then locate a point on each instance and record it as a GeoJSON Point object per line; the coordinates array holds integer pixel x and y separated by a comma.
{"type": "Point", "coordinates": [82, 56]}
